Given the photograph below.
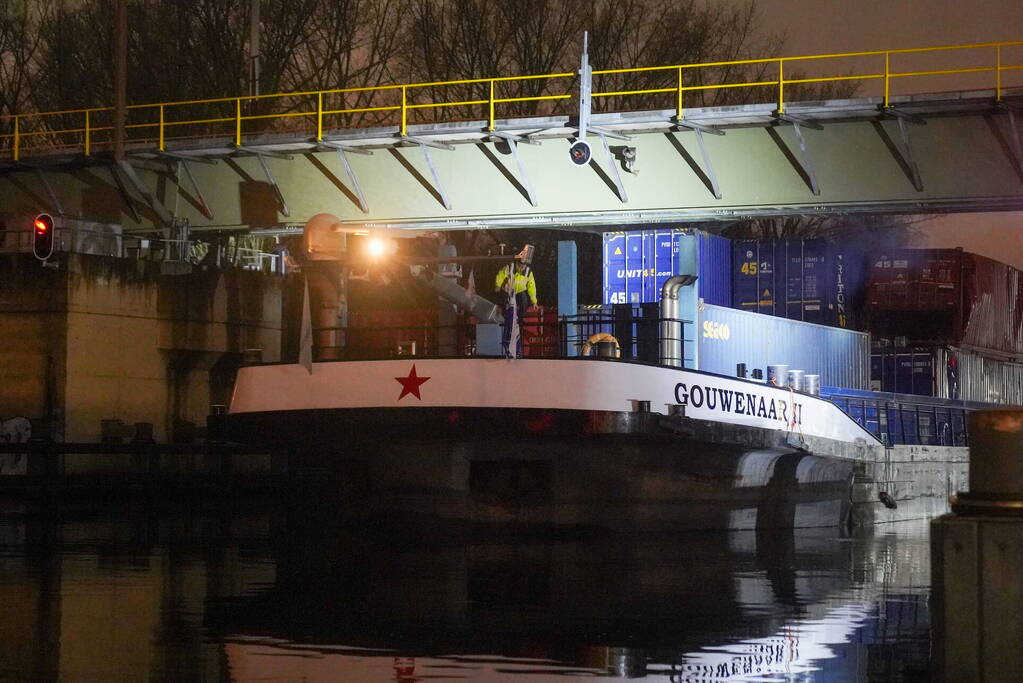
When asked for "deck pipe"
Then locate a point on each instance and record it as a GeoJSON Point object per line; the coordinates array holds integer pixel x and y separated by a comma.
{"type": "Point", "coordinates": [671, 319]}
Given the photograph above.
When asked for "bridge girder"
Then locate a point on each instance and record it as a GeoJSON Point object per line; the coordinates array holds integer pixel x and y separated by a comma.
{"type": "Point", "coordinates": [922, 154]}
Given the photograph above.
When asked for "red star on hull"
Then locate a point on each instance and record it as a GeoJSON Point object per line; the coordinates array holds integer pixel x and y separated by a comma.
{"type": "Point", "coordinates": [410, 384]}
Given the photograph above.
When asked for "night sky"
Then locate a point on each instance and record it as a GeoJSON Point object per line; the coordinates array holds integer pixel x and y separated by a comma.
{"type": "Point", "coordinates": [828, 26]}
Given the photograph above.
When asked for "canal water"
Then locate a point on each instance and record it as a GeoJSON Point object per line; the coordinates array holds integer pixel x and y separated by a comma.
{"type": "Point", "coordinates": [251, 590]}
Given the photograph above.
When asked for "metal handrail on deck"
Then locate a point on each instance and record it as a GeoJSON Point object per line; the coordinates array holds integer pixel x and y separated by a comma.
{"type": "Point", "coordinates": [163, 117]}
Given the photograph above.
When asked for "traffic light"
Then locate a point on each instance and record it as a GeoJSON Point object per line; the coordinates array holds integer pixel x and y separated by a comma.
{"type": "Point", "coordinates": [42, 236]}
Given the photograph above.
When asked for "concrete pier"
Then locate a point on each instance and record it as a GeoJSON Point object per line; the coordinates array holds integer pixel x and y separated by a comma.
{"type": "Point", "coordinates": [97, 340]}
{"type": "Point", "coordinates": [977, 560]}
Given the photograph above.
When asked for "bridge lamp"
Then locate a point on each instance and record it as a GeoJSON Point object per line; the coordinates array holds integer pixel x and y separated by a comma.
{"type": "Point", "coordinates": [378, 247]}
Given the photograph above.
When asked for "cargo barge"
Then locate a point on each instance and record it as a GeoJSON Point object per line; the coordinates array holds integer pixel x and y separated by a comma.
{"type": "Point", "coordinates": [573, 442]}
{"type": "Point", "coordinates": [665, 427]}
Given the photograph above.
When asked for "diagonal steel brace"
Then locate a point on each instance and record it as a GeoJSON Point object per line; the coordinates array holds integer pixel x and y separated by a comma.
{"type": "Point", "coordinates": [907, 149]}
{"type": "Point", "coordinates": [203, 205]}
{"type": "Point", "coordinates": [708, 167]}
{"type": "Point", "coordinates": [513, 141]}
{"type": "Point", "coordinates": [807, 162]}
{"type": "Point", "coordinates": [614, 168]}
{"type": "Point", "coordinates": [140, 187]}
{"type": "Point", "coordinates": [445, 200]}
{"type": "Point", "coordinates": [273, 183]}
{"type": "Point", "coordinates": [54, 200]}
{"type": "Point", "coordinates": [1014, 138]}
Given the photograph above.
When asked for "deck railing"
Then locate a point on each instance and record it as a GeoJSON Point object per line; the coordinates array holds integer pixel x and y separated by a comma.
{"type": "Point", "coordinates": [902, 419]}
{"type": "Point", "coordinates": [895, 419]}
{"type": "Point", "coordinates": [87, 131]}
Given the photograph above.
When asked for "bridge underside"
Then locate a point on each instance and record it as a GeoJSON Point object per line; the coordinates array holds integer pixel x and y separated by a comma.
{"type": "Point", "coordinates": [934, 153]}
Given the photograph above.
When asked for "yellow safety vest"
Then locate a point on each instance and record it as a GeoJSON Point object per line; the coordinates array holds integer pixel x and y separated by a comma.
{"type": "Point", "coordinates": [521, 282]}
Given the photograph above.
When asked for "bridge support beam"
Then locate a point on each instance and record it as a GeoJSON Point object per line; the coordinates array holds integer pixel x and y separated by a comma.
{"type": "Point", "coordinates": [129, 172]}
{"type": "Point", "coordinates": [611, 163]}
{"type": "Point", "coordinates": [708, 167]}
{"type": "Point", "coordinates": [54, 200]}
{"type": "Point", "coordinates": [513, 145]}
{"type": "Point", "coordinates": [856, 162]}
{"type": "Point", "coordinates": [1017, 148]}
{"type": "Point", "coordinates": [808, 167]}
{"type": "Point", "coordinates": [343, 157]}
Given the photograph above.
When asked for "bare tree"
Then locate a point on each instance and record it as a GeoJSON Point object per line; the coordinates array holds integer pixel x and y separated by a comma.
{"type": "Point", "coordinates": [870, 230]}
{"type": "Point", "coordinates": [183, 50]}
{"type": "Point", "coordinates": [345, 45]}
{"type": "Point", "coordinates": [466, 39]}
{"type": "Point", "coordinates": [196, 49]}
{"type": "Point", "coordinates": [19, 47]}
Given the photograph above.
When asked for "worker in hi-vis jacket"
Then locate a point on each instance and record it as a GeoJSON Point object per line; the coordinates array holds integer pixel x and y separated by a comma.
{"type": "Point", "coordinates": [517, 287]}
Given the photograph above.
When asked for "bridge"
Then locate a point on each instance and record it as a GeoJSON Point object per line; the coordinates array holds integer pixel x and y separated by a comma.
{"type": "Point", "coordinates": [495, 151]}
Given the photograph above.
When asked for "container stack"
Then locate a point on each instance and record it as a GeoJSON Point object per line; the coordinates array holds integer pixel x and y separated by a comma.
{"type": "Point", "coordinates": [942, 322]}
{"type": "Point", "coordinates": [945, 323]}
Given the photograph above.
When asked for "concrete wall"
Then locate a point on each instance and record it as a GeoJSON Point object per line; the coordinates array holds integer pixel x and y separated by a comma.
{"type": "Point", "coordinates": [98, 339]}
{"type": "Point", "coordinates": [33, 339]}
{"type": "Point", "coordinates": [919, 478]}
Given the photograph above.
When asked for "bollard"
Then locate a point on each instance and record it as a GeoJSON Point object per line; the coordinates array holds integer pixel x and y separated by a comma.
{"type": "Point", "coordinates": [977, 560]}
{"type": "Point", "coordinates": [640, 406]}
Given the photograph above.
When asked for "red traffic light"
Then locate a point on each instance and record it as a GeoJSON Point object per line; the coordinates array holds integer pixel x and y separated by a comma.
{"type": "Point", "coordinates": [42, 236]}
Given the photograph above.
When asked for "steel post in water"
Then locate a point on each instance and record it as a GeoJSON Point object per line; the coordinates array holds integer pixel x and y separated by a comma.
{"type": "Point", "coordinates": [977, 559]}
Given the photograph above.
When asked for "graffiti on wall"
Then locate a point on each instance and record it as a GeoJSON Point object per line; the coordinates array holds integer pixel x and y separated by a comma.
{"type": "Point", "coordinates": [14, 430]}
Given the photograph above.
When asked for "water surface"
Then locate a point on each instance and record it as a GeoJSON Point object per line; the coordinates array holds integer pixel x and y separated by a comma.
{"type": "Point", "coordinates": [254, 591]}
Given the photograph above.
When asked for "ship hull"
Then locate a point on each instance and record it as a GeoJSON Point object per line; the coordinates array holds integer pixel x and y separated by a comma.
{"type": "Point", "coordinates": [451, 468]}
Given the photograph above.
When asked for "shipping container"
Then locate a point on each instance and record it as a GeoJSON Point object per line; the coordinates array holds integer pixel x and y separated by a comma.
{"type": "Point", "coordinates": [721, 337]}
{"type": "Point", "coordinates": [715, 255]}
{"type": "Point", "coordinates": [754, 276]}
{"type": "Point", "coordinates": [637, 264]}
{"type": "Point", "coordinates": [945, 297]}
{"type": "Point", "coordinates": [903, 371]}
{"type": "Point", "coordinates": [727, 337]}
{"type": "Point", "coordinates": [803, 280]}
{"type": "Point", "coordinates": [947, 372]}
{"type": "Point", "coordinates": [846, 287]}
{"type": "Point", "coordinates": [809, 280]}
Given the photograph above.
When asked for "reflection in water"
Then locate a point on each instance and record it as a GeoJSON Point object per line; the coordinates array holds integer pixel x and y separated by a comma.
{"type": "Point", "coordinates": [259, 592]}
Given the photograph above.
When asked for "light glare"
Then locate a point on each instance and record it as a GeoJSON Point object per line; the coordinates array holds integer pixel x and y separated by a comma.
{"type": "Point", "coordinates": [376, 248]}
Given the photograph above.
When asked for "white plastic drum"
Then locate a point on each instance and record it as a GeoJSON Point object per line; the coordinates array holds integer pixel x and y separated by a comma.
{"type": "Point", "coordinates": [778, 375]}
{"type": "Point", "coordinates": [796, 379]}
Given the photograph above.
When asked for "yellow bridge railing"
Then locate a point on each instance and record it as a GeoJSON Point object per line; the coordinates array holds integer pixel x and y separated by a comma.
{"type": "Point", "coordinates": [82, 130]}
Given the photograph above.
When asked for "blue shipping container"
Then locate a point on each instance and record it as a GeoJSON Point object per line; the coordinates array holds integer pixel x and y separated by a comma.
{"type": "Point", "coordinates": [807, 280]}
{"type": "Point", "coordinates": [660, 262]}
{"type": "Point", "coordinates": [727, 337]}
{"type": "Point", "coordinates": [846, 287]}
{"type": "Point", "coordinates": [614, 268]}
{"type": "Point", "coordinates": [805, 276]}
{"type": "Point", "coordinates": [634, 268]}
{"type": "Point", "coordinates": [715, 282]}
{"type": "Point", "coordinates": [636, 265]}
{"type": "Point", "coordinates": [754, 282]}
